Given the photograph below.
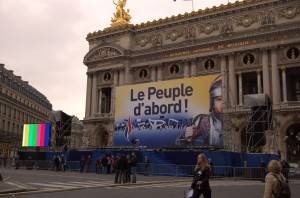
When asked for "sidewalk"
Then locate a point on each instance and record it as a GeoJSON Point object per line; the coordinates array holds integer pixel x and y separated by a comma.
{"type": "Point", "coordinates": [10, 185]}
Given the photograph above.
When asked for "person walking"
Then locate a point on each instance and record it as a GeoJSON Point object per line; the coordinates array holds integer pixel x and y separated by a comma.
{"type": "Point", "coordinates": [273, 179]}
{"type": "Point", "coordinates": [117, 168]}
{"type": "Point", "coordinates": [123, 166]}
{"type": "Point", "coordinates": [200, 184]}
{"type": "Point", "coordinates": [98, 165]}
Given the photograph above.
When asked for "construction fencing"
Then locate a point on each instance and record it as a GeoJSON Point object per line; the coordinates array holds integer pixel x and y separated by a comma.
{"type": "Point", "coordinates": [251, 173]}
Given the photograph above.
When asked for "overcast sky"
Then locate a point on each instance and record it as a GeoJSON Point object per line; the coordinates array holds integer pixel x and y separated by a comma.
{"type": "Point", "coordinates": [43, 41]}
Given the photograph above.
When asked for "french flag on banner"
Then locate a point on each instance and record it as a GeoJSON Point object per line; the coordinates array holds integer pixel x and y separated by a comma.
{"type": "Point", "coordinates": [128, 129]}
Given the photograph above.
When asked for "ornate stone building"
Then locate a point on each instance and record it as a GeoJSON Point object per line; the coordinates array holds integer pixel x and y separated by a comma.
{"type": "Point", "coordinates": [254, 44]}
{"type": "Point", "coordinates": [20, 103]}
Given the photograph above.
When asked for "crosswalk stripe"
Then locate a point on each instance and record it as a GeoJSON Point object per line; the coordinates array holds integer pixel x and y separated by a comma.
{"type": "Point", "coordinates": [70, 184]}
{"type": "Point", "coordinates": [52, 185]}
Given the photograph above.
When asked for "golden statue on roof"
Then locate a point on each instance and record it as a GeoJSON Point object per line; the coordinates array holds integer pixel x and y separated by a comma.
{"type": "Point", "coordinates": [121, 17]}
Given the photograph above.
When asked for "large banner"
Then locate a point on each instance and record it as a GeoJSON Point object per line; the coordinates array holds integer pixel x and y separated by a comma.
{"type": "Point", "coordinates": [169, 113]}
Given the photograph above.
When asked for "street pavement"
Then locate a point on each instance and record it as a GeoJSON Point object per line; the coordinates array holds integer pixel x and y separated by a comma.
{"type": "Point", "coordinates": [44, 183]}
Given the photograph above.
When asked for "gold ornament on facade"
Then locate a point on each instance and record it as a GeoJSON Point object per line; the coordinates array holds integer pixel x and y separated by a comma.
{"type": "Point", "coordinates": [246, 21]}
{"type": "Point", "coordinates": [121, 17]}
{"type": "Point", "coordinates": [208, 28]}
{"type": "Point", "coordinates": [289, 13]}
{"type": "Point", "coordinates": [174, 34]}
{"type": "Point", "coordinates": [125, 23]}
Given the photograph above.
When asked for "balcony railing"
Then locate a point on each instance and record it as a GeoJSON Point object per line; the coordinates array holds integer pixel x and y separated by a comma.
{"type": "Point", "coordinates": [290, 104]}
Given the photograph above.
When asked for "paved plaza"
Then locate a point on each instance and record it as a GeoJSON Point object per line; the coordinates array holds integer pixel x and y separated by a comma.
{"type": "Point", "coordinates": [42, 183]}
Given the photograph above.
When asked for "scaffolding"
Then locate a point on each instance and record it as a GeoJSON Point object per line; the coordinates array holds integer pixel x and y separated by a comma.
{"type": "Point", "coordinates": [259, 122]}
{"type": "Point", "coordinates": [61, 125]}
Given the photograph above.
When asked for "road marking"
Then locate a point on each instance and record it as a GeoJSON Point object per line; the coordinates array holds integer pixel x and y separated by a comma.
{"type": "Point", "coordinates": [52, 185]}
{"type": "Point", "coordinates": [15, 184]}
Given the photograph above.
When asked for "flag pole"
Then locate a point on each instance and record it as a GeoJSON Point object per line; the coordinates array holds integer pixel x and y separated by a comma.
{"type": "Point", "coordinates": [193, 5]}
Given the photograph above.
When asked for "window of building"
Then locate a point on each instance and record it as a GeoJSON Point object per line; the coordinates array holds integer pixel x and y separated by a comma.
{"type": "Point", "coordinates": [296, 89]}
{"type": "Point", "coordinates": [209, 64]}
{"type": "Point", "coordinates": [107, 76]}
{"type": "Point", "coordinates": [248, 59]}
{"type": "Point", "coordinates": [174, 69]}
{"type": "Point", "coordinates": [143, 74]}
{"type": "Point", "coordinates": [3, 125]}
{"type": "Point", "coordinates": [293, 53]}
{"type": "Point", "coordinates": [106, 100]}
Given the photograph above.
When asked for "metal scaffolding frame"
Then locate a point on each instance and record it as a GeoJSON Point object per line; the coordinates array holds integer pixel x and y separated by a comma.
{"type": "Point", "coordinates": [60, 139]}
{"type": "Point", "coordinates": [259, 120]}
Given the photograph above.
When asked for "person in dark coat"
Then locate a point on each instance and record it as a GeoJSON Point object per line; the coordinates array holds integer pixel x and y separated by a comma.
{"type": "Point", "coordinates": [56, 163]}
{"type": "Point", "coordinates": [200, 184]}
{"type": "Point", "coordinates": [82, 164]}
{"type": "Point", "coordinates": [123, 166]}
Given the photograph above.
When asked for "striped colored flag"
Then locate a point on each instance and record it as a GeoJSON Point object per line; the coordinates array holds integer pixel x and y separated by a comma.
{"type": "Point", "coordinates": [128, 129]}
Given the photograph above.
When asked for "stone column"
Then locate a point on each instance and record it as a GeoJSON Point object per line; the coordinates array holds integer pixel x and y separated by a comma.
{"type": "Point", "coordinates": [112, 101]}
{"type": "Point", "coordinates": [186, 68]}
{"type": "Point", "coordinates": [116, 77]}
{"type": "Point", "coordinates": [258, 81]}
{"type": "Point", "coordinates": [88, 96]}
{"type": "Point", "coordinates": [232, 82]}
{"type": "Point", "coordinates": [275, 79]}
{"type": "Point", "coordinates": [121, 80]}
{"type": "Point", "coordinates": [240, 88]}
{"type": "Point", "coordinates": [94, 95]}
{"type": "Point", "coordinates": [159, 73]}
{"type": "Point", "coordinates": [193, 67]}
{"type": "Point", "coordinates": [284, 84]}
{"type": "Point", "coordinates": [224, 80]}
{"type": "Point", "coordinates": [153, 73]}
{"type": "Point", "coordinates": [266, 72]}
{"type": "Point", "coordinates": [99, 100]}
{"type": "Point", "coordinates": [127, 75]}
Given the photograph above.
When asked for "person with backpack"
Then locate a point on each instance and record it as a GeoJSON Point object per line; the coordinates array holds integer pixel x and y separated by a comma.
{"type": "Point", "coordinates": [276, 184]}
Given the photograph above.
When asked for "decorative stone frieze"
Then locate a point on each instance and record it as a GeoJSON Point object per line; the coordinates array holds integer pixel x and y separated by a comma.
{"type": "Point", "coordinates": [143, 41]}
{"type": "Point", "coordinates": [103, 53]}
{"type": "Point", "coordinates": [289, 13]}
{"type": "Point", "coordinates": [174, 34]}
{"type": "Point", "coordinates": [267, 17]}
{"type": "Point", "coordinates": [226, 26]}
{"type": "Point", "coordinates": [208, 28]}
{"type": "Point", "coordinates": [246, 21]}
{"type": "Point", "coordinates": [190, 32]}
{"type": "Point", "coordinates": [157, 40]}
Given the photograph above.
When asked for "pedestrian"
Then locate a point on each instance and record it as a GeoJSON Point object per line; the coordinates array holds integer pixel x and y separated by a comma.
{"type": "Point", "coordinates": [112, 163]}
{"type": "Point", "coordinates": [200, 184]}
{"type": "Point", "coordinates": [53, 163]}
{"type": "Point", "coordinates": [263, 169]}
{"type": "Point", "coordinates": [56, 162]}
{"type": "Point", "coordinates": [273, 179]}
{"type": "Point", "coordinates": [82, 164]}
{"type": "Point", "coordinates": [104, 164]}
{"type": "Point", "coordinates": [98, 165]}
{"type": "Point", "coordinates": [88, 163]}
{"type": "Point", "coordinates": [128, 171]}
{"type": "Point", "coordinates": [108, 165]}
{"type": "Point", "coordinates": [210, 162]}
{"type": "Point", "coordinates": [116, 168]}
{"type": "Point", "coordinates": [285, 169]}
{"type": "Point", "coordinates": [63, 162]}
{"type": "Point", "coordinates": [4, 160]}
{"type": "Point", "coordinates": [123, 166]}
{"type": "Point", "coordinates": [133, 167]}
{"type": "Point", "coordinates": [147, 166]}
